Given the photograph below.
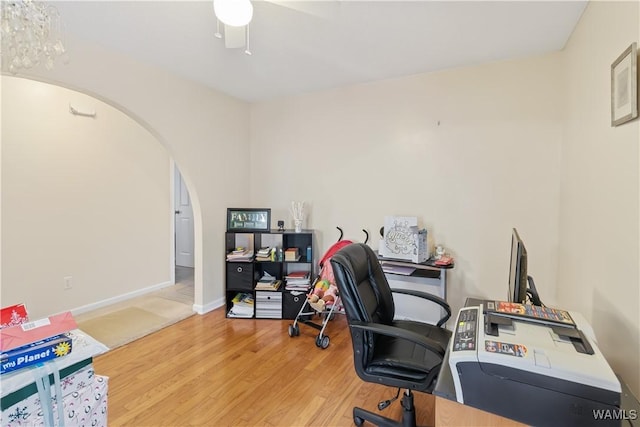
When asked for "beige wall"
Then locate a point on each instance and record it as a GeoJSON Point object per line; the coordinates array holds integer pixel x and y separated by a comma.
{"type": "Point", "coordinates": [81, 197]}
{"type": "Point", "coordinates": [472, 152]}
{"type": "Point", "coordinates": [206, 132]}
{"type": "Point", "coordinates": [598, 268]}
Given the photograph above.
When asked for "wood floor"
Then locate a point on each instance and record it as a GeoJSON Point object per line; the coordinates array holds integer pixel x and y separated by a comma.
{"type": "Point", "coordinates": [211, 371]}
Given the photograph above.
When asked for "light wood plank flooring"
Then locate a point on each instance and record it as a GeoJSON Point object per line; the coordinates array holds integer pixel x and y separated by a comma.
{"type": "Point", "coordinates": [208, 370]}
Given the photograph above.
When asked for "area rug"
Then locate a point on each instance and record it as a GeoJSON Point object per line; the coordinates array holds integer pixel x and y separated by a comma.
{"type": "Point", "coordinates": [180, 292]}
{"type": "Point", "coordinates": [117, 325]}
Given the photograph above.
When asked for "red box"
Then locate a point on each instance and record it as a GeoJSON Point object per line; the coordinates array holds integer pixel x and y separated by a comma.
{"type": "Point", "coordinates": [13, 315]}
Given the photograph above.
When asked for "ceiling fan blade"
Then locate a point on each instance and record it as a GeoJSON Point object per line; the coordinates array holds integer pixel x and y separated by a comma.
{"type": "Point", "coordinates": [319, 8]}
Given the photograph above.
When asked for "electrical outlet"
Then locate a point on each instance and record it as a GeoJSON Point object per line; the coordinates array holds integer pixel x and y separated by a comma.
{"type": "Point", "coordinates": [68, 284]}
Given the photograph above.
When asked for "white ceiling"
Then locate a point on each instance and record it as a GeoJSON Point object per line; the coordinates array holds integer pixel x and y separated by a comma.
{"type": "Point", "coordinates": [305, 46]}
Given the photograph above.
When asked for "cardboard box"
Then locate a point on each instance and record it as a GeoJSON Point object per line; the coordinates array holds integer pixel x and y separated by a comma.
{"type": "Point", "coordinates": [84, 399]}
{"type": "Point", "coordinates": [72, 379]}
{"type": "Point", "coordinates": [37, 352]}
{"type": "Point", "coordinates": [403, 240]}
{"type": "Point", "coordinates": [99, 404]}
{"type": "Point", "coordinates": [13, 315]}
{"type": "Point", "coordinates": [20, 403]}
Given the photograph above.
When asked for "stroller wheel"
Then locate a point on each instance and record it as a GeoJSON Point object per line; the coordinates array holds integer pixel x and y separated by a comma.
{"type": "Point", "coordinates": [294, 331]}
{"type": "Point", "coordinates": [322, 341]}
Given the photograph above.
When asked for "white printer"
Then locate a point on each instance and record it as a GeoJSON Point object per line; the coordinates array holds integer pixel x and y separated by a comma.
{"type": "Point", "coordinates": [535, 365]}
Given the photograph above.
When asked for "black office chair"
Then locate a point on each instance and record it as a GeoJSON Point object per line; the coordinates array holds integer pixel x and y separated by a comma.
{"type": "Point", "coordinates": [398, 353]}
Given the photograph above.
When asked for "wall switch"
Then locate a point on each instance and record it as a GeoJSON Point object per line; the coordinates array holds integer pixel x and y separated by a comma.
{"type": "Point", "coordinates": [68, 284]}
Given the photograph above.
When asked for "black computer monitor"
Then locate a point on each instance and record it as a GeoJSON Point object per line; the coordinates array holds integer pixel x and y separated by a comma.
{"type": "Point", "coordinates": [521, 285]}
{"type": "Point", "coordinates": [517, 270]}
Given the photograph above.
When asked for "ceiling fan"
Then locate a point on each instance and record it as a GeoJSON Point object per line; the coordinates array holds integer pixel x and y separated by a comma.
{"type": "Point", "coordinates": [234, 16]}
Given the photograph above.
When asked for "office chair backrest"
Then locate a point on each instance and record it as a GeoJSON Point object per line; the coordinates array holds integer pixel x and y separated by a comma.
{"type": "Point", "coordinates": [365, 295]}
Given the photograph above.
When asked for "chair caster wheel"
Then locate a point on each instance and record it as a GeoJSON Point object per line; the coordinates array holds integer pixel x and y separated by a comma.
{"type": "Point", "coordinates": [358, 421]}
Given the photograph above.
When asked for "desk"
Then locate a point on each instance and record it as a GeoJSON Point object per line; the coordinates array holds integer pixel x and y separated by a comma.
{"type": "Point", "coordinates": [425, 277]}
{"type": "Point", "coordinates": [448, 412]}
{"type": "Point", "coordinates": [451, 413]}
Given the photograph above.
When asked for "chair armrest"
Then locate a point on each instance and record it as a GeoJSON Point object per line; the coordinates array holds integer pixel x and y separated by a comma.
{"type": "Point", "coordinates": [393, 331]}
{"type": "Point", "coordinates": [430, 297]}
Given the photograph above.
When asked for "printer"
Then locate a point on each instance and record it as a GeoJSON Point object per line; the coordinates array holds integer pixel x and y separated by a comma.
{"type": "Point", "coordinates": [535, 365]}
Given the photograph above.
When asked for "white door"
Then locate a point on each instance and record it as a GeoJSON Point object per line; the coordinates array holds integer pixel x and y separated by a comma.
{"type": "Point", "coordinates": [183, 223]}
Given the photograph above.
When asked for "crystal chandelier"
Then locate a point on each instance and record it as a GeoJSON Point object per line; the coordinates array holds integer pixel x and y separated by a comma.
{"type": "Point", "coordinates": [31, 34]}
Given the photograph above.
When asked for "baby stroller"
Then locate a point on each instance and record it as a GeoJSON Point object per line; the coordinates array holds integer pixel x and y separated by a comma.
{"type": "Point", "coordinates": [313, 306]}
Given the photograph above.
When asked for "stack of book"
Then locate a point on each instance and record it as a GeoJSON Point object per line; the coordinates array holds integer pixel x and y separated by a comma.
{"type": "Point", "coordinates": [267, 283]}
{"type": "Point", "coordinates": [240, 254]}
{"type": "Point", "coordinates": [297, 281]}
{"type": "Point", "coordinates": [292, 254]}
{"type": "Point", "coordinates": [243, 304]}
{"type": "Point", "coordinates": [266, 254]}
{"type": "Point", "coordinates": [264, 286]}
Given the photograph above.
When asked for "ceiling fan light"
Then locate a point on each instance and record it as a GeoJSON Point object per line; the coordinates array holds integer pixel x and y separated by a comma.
{"type": "Point", "coordinates": [236, 13]}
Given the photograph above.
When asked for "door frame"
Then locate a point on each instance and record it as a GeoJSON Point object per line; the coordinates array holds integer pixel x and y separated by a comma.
{"type": "Point", "coordinates": [197, 237]}
{"type": "Point", "coordinates": [179, 182]}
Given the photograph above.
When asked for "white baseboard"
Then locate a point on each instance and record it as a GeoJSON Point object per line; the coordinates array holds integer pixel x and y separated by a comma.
{"type": "Point", "coordinates": [198, 308]}
{"type": "Point", "coordinates": [202, 309]}
{"type": "Point", "coordinates": [119, 298]}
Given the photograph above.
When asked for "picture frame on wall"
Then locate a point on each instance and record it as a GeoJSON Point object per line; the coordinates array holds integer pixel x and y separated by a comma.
{"type": "Point", "coordinates": [624, 86]}
{"type": "Point", "coordinates": [248, 219]}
